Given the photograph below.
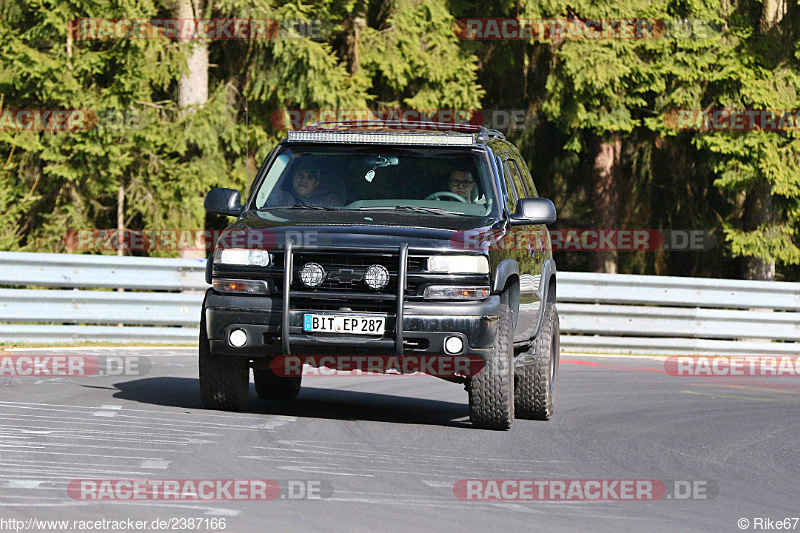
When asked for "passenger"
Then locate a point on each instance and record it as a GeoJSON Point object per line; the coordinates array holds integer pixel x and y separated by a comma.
{"type": "Point", "coordinates": [305, 190]}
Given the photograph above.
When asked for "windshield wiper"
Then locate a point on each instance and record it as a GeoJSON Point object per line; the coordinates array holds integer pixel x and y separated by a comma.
{"type": "Point", "coordinates": [300, 206]}
{"type": "Point", "coordinates": [415, 208]}
{"type": "Point", "coordinates": [432, 210]}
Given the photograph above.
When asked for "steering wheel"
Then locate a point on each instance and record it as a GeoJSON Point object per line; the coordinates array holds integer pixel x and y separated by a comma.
{"type": "Point", "coordinates": [450, 195]}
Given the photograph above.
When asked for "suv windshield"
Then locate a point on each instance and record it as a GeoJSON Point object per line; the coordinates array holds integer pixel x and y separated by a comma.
{"type": "Point", "coordinates": [435, 181]}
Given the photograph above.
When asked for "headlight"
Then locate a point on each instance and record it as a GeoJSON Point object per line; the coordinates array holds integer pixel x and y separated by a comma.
{"type": "Point", "coordinates": [458, 264]}
{"type": "Point", "coordinates": [441, 292]}
{"type": "Point", "coordinates": [242, 257]}
{"type": "Point", "coordinates": [241, 286]}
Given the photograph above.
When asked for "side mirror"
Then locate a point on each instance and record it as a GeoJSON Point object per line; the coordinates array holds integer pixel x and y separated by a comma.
{"type": "Point", "coordinates": [534, 211]}
{"type": "Point", "coordinates": [222, 201]}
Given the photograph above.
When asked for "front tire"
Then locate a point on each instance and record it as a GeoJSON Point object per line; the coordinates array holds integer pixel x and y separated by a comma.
{"type": "Point", "coordinates": [271, 386]}
{"type": "Point", "coordinates": [491, 391]}
{"type": "Point", "coordinates": [224, 380]}
{"type": "Point", "coordinates": [534, 395]}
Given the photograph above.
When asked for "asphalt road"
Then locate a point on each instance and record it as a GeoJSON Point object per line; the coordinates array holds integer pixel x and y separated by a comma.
{"type": "Point", "coordinates": [387, 451]}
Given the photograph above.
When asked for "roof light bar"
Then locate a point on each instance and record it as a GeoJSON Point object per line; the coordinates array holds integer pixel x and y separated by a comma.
{"type": "Point", "coordinates": [394, 124]}
{"type": "Point", "coordinates": [435, 139]}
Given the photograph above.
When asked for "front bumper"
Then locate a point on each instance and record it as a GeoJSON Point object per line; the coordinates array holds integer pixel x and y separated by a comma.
{"type": "Point", "coordinates": [425, 327]}
{"type": "Point", "coordinates": [274, 324]}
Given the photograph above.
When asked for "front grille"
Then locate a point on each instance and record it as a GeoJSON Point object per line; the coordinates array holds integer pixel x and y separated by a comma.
{"type": "Point", "coordinates": [346, 282]}
{"type": "Point", "coordinates": [345, 271]}
{"type": "Point", "coordinates": [415, 264]}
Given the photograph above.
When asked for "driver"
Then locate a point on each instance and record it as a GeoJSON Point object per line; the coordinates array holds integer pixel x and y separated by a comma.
{"type": "Point", "coordinates": [461, 183]}
{"type": "Point", "coordinates": [305, 189]}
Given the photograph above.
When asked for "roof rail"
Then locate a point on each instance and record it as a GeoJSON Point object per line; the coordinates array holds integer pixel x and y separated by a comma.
{"type": "Point", "coordinates": [492, 133]}
{"type": "Point", "coordinates": [404, 124]}
{"type": "Point", "coordinates": [483, 132]}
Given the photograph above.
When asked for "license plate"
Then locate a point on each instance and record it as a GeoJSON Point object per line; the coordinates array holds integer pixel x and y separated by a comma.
{"type": "Point", "coordinates": [352, 324]}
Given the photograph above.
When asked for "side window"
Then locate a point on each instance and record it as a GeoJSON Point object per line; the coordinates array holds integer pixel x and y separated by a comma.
{"type": "Point", "coordinates": [527, 180]}
{"type": "Point", "coordinates": [275, 171]}
{"type": "Point", "coordinates": [513, 183]}
{"type": "Point", "coordinates": [252, 181]}
{"type": "Point", "coordinates": [499, 162]}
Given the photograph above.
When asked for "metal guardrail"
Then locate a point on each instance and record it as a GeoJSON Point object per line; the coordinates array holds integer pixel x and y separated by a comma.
{"type": "Point", "coordinates": [62, 334]}
{"type": "Point", "coordinates": [165, 294]}
{"type": "Point", "coordinates": [599, 312]}
{"type": "Point", "coordinates": [672, 315]}
{"type": "Point", "coordinates": [100, 307]}
{"type": "Point", "coordinates": [630, 289]}
{"type": "Point", "coordinates": [101, 271]}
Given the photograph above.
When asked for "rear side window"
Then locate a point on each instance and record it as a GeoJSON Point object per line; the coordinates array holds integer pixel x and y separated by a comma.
{"type": "Point", "coordinates": [513, 183]}
{"type": "Point", "coordinates": [525, 175]}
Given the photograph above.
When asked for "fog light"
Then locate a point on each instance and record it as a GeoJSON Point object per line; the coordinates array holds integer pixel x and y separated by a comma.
{"type": "Point", "coordinates": [312, 274]}
{"type": "Point", "coordinates": [453, 345]}
{"type": "Point", "coordinates": [376, 277]}
{"type": "Point", "coordinates": [238, 338]}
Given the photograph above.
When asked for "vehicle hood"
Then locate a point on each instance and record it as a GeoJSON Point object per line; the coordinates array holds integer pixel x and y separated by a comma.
{"type": "Point", "coordinates": [367, 229]}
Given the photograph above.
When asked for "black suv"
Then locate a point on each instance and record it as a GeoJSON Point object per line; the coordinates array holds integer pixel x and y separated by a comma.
{"type": "Point", "coordinates": [385, 239]}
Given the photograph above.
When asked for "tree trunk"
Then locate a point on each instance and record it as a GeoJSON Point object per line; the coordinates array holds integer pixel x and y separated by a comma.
{"type": "Point", "coordinates": [758, 210]}
{"type": "Point", "coordinates": [121, 237]}
{"type": "Point", "coordinates": [605, 196]}
{"type": "Point", "coordinates": [193, 85]}
{"type": "Point", "coordinates": [758, 207]}
{"type": "Point", "coordinates": [352, 25]}
{"type": "Point", "coordinates": [772, 13]}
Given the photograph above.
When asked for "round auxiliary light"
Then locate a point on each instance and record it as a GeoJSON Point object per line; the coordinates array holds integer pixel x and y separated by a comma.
{"type": "Point", "coordinates": [453, 344]}
{"type": "Point", "coordinates": [312, 274]}
{"type": "Point", "coordinates": [238, 338]}
{"type": "Point", "coordinates": [376, 277]}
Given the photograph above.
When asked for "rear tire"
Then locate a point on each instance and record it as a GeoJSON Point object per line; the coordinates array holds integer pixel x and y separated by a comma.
{"type": "Point", "coordinates": [224, 380]}
{"type": "Point", "coordinates": [534, 394]}
{"type": "Point", "coordinates": [491, 391]}
{"type": "Point", "coordinates": [270, 386]}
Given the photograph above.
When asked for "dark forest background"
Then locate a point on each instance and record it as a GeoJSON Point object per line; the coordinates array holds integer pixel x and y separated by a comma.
{"type": "Point", "coordinates": [172, 122]}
